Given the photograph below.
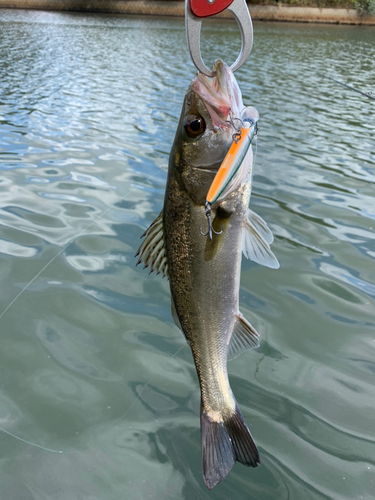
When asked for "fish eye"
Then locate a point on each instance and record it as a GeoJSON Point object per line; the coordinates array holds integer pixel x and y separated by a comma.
{"type": "Point", "coordinates": [194, 126]}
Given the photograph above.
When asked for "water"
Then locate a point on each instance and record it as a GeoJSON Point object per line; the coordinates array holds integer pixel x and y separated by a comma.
{"type": "Point", "coordinates": [89, 108]}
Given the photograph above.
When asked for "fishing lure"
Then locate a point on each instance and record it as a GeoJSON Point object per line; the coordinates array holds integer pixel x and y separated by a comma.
{"type": "Point", "coordinates": [242, 139]}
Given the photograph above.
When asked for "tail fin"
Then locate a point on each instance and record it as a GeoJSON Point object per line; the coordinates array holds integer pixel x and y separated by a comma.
{"type": "Point", "coordinates": [224, 443]}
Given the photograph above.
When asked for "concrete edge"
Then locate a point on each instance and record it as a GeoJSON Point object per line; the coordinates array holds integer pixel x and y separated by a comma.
{"type": "Point", "coordinates": [175, 8]}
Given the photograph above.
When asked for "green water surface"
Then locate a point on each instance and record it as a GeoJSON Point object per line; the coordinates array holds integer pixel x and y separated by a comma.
{"type": "Point", "coordinates": [99, 398]}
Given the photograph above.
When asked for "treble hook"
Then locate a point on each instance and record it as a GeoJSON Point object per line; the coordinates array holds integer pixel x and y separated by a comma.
{"type": "Point", "coordinates": [237, 134]}
{"type": "Point", "coordinates": [210, 227]}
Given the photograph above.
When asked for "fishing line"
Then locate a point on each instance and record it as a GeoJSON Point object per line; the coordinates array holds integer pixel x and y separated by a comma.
{"type": "Point", "coordinates": [150, 177]}
{"type": "Point", "coordinates": [256, 148]}
{"type": "Point", "coordinates": [29, 442]}
{"type": "Point", "coordinates": [60, 452]}
{"type": "Point", "coordinates": [67, 246]}
{"type": "Point", "coordinates": [40, 272]}
{"type": "Point", "coordinates": [348, 86]}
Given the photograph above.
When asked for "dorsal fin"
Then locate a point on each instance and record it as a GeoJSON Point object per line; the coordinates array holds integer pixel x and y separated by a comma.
{"type": "Point", "coordinates": [244, 337]}
{"type": "Point", "coordinates": [152, 250]}
{"type": "Point", "coordinates": [256, 237]}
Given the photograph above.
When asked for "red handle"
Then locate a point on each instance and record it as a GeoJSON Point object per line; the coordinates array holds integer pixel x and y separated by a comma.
{"type": "Point", "coordinates": [202, 8]}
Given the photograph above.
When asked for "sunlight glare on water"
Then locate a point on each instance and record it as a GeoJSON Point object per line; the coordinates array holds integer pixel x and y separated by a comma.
{"type": "Point", "coordinates": [89, 106]}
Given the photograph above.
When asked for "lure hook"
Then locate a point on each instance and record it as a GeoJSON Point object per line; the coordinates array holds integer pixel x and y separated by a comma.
{"type": "Point", "coordinates": [211, 230]}
{"type": "Point", "coordinates": [237, 134]}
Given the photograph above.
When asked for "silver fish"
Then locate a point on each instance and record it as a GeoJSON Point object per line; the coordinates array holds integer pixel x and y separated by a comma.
{"type": "Point", "coordinates": [204, 275]}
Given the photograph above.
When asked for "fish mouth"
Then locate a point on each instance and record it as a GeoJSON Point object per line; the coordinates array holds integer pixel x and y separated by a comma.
{"type": "Point", "coordinates": [221, 95]}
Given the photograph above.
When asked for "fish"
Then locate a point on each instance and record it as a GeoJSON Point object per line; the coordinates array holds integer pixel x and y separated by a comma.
{"type": "Point", "coordinates": [204, 273]}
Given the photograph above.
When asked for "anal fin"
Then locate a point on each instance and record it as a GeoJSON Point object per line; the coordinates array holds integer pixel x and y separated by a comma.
{"type": "Point", "coordinates": [244, 337]}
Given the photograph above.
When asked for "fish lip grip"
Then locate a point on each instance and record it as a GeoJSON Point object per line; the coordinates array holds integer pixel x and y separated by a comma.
{"type": "Point", "coordinates": [207, 8]}
{"type": "Point", "coordinates": [197, 10]}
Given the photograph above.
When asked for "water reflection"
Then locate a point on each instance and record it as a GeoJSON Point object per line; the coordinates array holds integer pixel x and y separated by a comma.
{"type": "Point", "coordinates": [91, 362]}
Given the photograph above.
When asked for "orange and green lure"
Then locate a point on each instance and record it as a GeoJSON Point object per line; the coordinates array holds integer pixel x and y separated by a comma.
{"type": "Point", "coordinates": [242, 140]}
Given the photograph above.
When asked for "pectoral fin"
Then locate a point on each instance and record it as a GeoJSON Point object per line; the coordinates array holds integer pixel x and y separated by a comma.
{"type": "Point", "coordinates": [255, 241]}
{"type": "Point", "coordinates": [258, 224]}
{"type": "Point", "coordinates": [152, 250]}
{"type": "Point", "coordinates": [244, 337]}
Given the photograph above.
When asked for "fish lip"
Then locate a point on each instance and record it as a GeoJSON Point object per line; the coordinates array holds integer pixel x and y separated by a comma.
{"type": "Point", "coordinates": [220, 95]}
{"type": "Point", "coordinates": [223, 74]}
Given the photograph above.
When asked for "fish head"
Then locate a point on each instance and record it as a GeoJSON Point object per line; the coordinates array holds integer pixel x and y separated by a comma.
{"type": "Point", "coordinates": [204, 134]}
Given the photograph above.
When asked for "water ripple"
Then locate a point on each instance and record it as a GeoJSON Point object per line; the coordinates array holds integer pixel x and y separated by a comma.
{"type": "Point", "coordinates": [90, 361]}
